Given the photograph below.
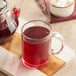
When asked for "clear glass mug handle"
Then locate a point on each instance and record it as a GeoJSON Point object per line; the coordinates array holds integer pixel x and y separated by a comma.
{"type": "Point", "coordinates": [57, 43]}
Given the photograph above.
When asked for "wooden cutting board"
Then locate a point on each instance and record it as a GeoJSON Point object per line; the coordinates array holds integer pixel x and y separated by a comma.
{"type": "Point", "coordinates": [56, 62]}
{"type": "Point", "coordinates": [14, 46]}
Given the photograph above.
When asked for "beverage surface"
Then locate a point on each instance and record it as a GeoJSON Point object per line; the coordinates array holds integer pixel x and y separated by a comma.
{"type": "Point", "coordinates": [36, 32]}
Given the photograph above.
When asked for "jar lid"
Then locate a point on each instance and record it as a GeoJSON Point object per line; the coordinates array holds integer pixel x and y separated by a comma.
{"type": "Point", "coordinates": [3, 6]}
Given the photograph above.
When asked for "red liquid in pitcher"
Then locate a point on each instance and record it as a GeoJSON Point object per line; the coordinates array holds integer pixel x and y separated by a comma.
{"type": "Point", "coordinates": [7, 29]}
{"type": "Point", "coordinates": [35, 53]}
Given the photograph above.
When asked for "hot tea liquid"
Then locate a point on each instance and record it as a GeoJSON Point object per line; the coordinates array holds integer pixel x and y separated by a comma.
{"type": "Point", "coordinates": [35, 51]}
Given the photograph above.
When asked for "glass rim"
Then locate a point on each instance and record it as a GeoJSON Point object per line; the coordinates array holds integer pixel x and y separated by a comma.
{"type": "Point", "coordinates": [36, 21]}
{"type": "Point", "coordinates": [64, 6]}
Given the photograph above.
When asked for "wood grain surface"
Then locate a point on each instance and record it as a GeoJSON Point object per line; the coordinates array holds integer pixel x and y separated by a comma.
{"type": "Point", "coordinates": [14, 46]}
{"type": "Point", "coordinates": [53, 66]}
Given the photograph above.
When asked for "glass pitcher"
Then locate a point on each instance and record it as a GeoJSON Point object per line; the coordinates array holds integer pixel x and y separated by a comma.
{"type": "Point", "coordinates": [8, 21]}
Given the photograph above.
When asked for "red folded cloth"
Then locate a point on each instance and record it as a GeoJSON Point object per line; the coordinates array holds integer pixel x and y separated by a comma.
{"type": "Point", "coordinates": [55, 19]}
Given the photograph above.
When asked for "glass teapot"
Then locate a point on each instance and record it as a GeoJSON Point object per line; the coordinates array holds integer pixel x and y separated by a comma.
{"type": "Point", "coordinates": [8, 21]}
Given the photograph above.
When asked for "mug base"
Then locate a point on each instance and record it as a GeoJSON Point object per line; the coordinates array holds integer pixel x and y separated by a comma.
{"type": "Point", "coordinates": [28, 65]}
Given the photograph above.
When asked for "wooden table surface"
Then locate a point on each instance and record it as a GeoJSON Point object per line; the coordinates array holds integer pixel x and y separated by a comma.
{"type": "Point", "coordinates": [30, 10]}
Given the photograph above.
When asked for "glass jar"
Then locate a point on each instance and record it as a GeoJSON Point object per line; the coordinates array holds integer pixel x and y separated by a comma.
{"type": "Point", "coordinates": [8, 21]}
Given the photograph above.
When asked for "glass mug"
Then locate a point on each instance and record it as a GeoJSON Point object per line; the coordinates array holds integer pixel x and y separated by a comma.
{"type": "Point", "coordinates": [36, 38]}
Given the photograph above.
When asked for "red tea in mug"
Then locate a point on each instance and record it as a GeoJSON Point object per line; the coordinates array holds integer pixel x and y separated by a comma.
{"type": "Point", "coordinates": [35, 45]}
{"type": "Point", "coordinates": [36, 40]}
